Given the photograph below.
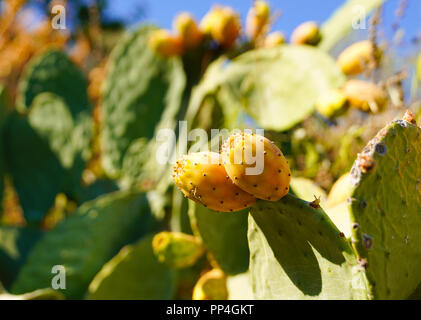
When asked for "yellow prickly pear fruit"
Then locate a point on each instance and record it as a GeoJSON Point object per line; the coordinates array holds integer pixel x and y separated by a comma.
{"type": "Point", "coordinates": [165, 44]}
{"type": "Point", "coordinates": [356, 57]}
{"type": "Point", "coordinates": [258, 19]}
{"type": "Point", "coordinates": [306, 33]}
{"type": "Point", "coordinates": [222, 24]}
{"type": "Point", "coordinates": [256, 165]}
{"type": "Point", "coordinates": [202, 178]}
{"type": "Point", "coordinates": [365, 95]}
{"type": "Point", "coordinates": [340, 191]}
{"type": "Point", "coordinates": [187, 28]}
{"type": "Point", "coordinates": [177, 250]}
{"type": "Point", "coordinates": [332, 103]}
{"type": "Point", "coordinates": [211, 286]}
{"type": "Point", "coordinates": [274, 39]}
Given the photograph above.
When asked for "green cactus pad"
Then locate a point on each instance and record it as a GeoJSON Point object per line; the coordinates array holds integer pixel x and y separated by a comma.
{"type": "Point", "coordinates": [385, 210]}
{"type": "Point", "coordinates": [53, 72]}
{"type": "Point", "coordinates": [296, 252]}
{"type": "Point", "coordinates": [15, 245]}
{"type": "Point", "coordinates": [223, 234]}
{"type": "Point", "coordinates": [341, 22]}
{"type": "Point", "coordinates": [137, 90]}
{"type": "Point", "coordinates": [57, 145]}
{"type": "Point", "coordinates": [277, 87]}
{"type": "Point", "coordinates": [84, 241]}
{"type": "Point", "coordinates": [134, 274]}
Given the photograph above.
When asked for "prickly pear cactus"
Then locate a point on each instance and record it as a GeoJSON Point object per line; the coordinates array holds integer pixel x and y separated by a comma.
{"type": "Point", "coordinates": [58, 146]}
{"type": "Point", "coordinates": [138, 88]}
{"type": "Point", "coordinates": [85, 241]}
{"type": "Point", "coordinates": [40, 294]}
{"type": "Point", "coordinates": [254, 77]}
{"type": "Point", "coordinates": [134, 274]}
{"type": "Point", "coordinates": [222, 234]}
{"type": "Point", "coordinates": [385, 210]}
{"type": "Point", "coordinates": [53, 72]}
{"type": "Point", "coordinates": [297, 253]}
{"type": "Point", "coordinates": [15, 245]}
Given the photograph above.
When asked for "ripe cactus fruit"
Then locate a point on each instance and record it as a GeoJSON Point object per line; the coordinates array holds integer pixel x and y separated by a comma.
{"type": "Point", "coordinates": [211, 286]}
{"type": "Point", "coordinates": [202, 178]}
{"type": "Point", "coordinates": [354, 59]}
{"type": "Point", "coordinates": [269, 179]}
{"type": "Point", "coordinates": [176, 249]}
{"type": "Point", "coordinates": [164, 44]}
{"type": "Point", "coordinates": [222, 24]}
{"type": "Point", "coordinates": [365, 95]}
{"type": "Point", "coordinates": [258, 19]}
{"type": "Point", "coordinates": [273, 39]}
{"type": "Point", "coordinates": [332, 103]}
{"type": "Point", "coordinates": [306, 33]}
{"type": "Point", "coordinates": [187, 28]}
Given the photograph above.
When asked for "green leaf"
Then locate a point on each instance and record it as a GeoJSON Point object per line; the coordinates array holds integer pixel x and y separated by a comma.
{"type": "Point", "coordinates": [15, 245]}
{"type": "Point", "coordinates": [341, 22]}
{"type": "Point", "coordinates": [297, 253]}
{"type": "Point", "coordinates": [385, 210]}
{"type": "Point", "coordinates": [53, 72]}
{"type": "Point", "coordinates": [277, 87]}
{"type": "Point", "coordinates": [3, 118]}
{"type": "Point", "coordinates": [224, 234]}
{"type": "Point", "coordinates": [139, 88]}
{"type": "Point", "coordinates": [134, 274]}
{"type": "Point", "coordinates": [84, 241]}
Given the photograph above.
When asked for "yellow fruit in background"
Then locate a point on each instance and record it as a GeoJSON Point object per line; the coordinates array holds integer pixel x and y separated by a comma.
{"type": "Point", "coordinates": [365, 95]}
{"type": "Point", "coordinates": [332, 103]}
{"type": "Point", "coordinates": [340, 191]}
{"type": "Point", "coordinates": [274, 39]}
{"type": "Point", "coordinates": [222, 24]}
{"type": "Point", "coordinates": [266, 179]}
{"type": "Point", "coordinates": [165, 44]}
{"type": "Point", "coordinates": [306, 33]}
{"type": "Point", "coordinates": [211, 286]}
{"type": "Point", "coordinates": [186, 27]}
{"type": "Point", "coordinates": [354, 59]}
{"type": "Point", "coordinates": [258, 19]}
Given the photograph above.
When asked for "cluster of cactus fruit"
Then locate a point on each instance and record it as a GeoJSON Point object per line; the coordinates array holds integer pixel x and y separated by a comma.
{"type": "Point", "coordinates": [241, 231]}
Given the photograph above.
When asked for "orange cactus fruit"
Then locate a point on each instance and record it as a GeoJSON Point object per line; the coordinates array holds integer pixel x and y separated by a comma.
{"type": "Point", "coordinates": [203, 179]}
{"type": "Point", "coordinates": [257, 22]}
{"type": "Point", "coordinates": [256, 165]}
{"type": "Point", "coordinates": [306, 33]}
{"type": "Point", "coordinates": [222, 24]}
{"type": "Point", "coordinates": [163, 43]}
{"type": "Point", "coordinates": [354, 59]}
{"type": "Point", "coordinates": [185, 25]}
{"type": "Point", "coordinates": [274, 39]}
{"type": "Point", "coordinates": [365, 95]}
{"type": "Point", "coordinates": [211, 286]}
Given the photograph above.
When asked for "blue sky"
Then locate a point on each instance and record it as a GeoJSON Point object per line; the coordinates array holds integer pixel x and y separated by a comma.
{"type": "Point", "coordinates": [293, 12]}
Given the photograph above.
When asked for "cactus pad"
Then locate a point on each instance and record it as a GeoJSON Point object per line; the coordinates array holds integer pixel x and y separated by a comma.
{"type": "Point", "coordinates": [138, 87]}
{"type": "Point", "coordinates": [297, 253]}
{"type": "Point", "coordinates": [134, 274]}
{"type": "Point", "coordinates": [385, 210]}
{"type": "Point", "coordinates": [83, 242]}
